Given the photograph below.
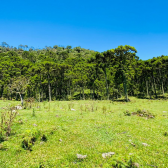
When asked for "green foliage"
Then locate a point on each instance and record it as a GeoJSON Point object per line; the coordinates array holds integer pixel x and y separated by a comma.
{"type": "Point", "coordinates": [127, 113]}
{"type": "Point", "coordinates": [27, 143]}
{"type": "Point", "coordinates": [29, 138]}
{"type": "Point", "coordinates": [145, 113]}
{"type": "Point", "coordinates": [66, 73]}
{"type": "Point", "coordinates": [4, 145]}
{"type": "Point", "coordinates": [104, 109]}
{"type": "Point", "coordinates": [33, 114]}
{"type": "Point", "coordinates": [118, 163]}
{"type": "Point", "coordinates": [44, 138]}
{"type": "Point", "coordinates": [30, 102]}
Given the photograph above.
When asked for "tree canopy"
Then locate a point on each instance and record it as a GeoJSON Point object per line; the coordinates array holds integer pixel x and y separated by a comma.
{"type": "Point", "coordinates": [64, 73]}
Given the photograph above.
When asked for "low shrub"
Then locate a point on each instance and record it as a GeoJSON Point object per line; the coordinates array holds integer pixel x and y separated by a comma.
{"type": "Point", "coordinates": [44, 138]}
{"type": "Point", "coordinates": [127, 113]}
{"type": "Point", "coordinates": [145, 113]}
{"type": "Point", "coordinates": [124, 163]}
{"type": "Point", "coordinates": [27, 143]}
{"type": "Point", "coordinates": [141, 113]}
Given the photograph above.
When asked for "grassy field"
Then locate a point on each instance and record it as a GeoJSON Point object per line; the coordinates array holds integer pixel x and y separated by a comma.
{"type": "Point", "coordinates": [56, 132]}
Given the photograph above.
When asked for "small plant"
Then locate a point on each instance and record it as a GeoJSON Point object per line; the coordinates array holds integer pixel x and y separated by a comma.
{"type": "Point", "coordinates": [30, 102]}
{"type": "Point", "coordinates": [127, 113]}
{"type": "Point", "coordinates": [27, 143]}
{"type": "Point", "coordinates": [2, 138]}
{"type": "Point", "coordinates": [7, 119]}
{"type": "Point", "coordinates": [49, 106]}
{"type": "Point", "coordinates": [44, 104]}
{"type": "Point", "coordinates": [63, 107]}
{"type": "Point", "coordinates": [104, 109]}
{"type": "Point", "coordinates": [44, 138]}
{"type": "Point", "coordinates": [92, 107]}
{"type": "Point", "coordinates": [144, 113]}
{"type": "Point", "coordinates": [70, 105]}
{"type": "Point", "coordinates": [166, 134]}
{"type": "Point", "coordinates": [20, 121]}
{"type": "Point", "coordinates": [29, 139]}
{"type": "Point", "coordinates": [81, 108]}
{"type": "Point", "coordinates": [96, 108]}
{"type": "Point", "coordinates": [33, 114]}
{"type": "Point", "coordinates": [86, 107]}
{"type": "Point", "coordinates": [124, 163]}
{"type": "Point", "coordinates": [141, 113]}
{"type": "Point", "coordinates": [4, 145]}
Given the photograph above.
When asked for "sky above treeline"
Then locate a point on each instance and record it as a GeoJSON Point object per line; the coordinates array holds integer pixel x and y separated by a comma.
{"type": "Point", "coordinates": [96, 25]}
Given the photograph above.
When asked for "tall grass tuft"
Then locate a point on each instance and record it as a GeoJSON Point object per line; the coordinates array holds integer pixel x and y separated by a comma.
{"type": "Point", "coordinates": [33, 114]}
{"type": "Point", "coordinates": [70, 105]}
{"type": "Point", "coordinates": [7, 118]}
{"type": "Point", "coordinates": [104, 109]}
{"type": "Point", "coordinates": [92, 107]}
{"type": "Point", "coordinates": [81, 109]}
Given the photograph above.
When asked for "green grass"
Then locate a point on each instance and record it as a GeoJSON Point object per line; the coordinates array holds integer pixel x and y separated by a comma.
{"type": "Point", "coordinates": [95, 127]}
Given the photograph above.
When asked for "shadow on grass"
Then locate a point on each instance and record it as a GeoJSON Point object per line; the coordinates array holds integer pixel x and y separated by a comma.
{"type": "Point", "coordinates": [159, 97]}
{"type": "Point", "coordinates": [119, 100]}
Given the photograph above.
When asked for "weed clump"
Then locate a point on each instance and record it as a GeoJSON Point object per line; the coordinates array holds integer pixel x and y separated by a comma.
{"type": "Point", "coordinates": [70, 105]}
{"type": "Point", "coordinates": [29, 139]}
{"type": "Point", "coordinates": [44, 138]}
{"type": "Point", "coordinates": [20, 121]}
{"type": "Point", "coordinates": [4, 145]}
{"type": "Point", "coordinates": [166, 134]}
{"type": "Point", "coordinates": [145, 113]}
{"type": "Point", "coordinates": [118, 162]}
{"type": "Point", "coordinates": [92, 107]}
{"type": "Point", "coordinates": [33, 114]}
{"type": "Point", "coordinates": [29, 102]}
{"type": "Point", "coordinates": [2, 138]}
{"type": "Point", "coordinates": [104, 109]}
{"type": "Point", "coordinates": [140, 113]}
{"type": "Point", "coordinates": [28, 142]}
{"type": "Point", "coordinates": [127, 113]}
{"type": "Point", "coordinates": [81, 108]}
{"type": "Point", "coordinates": [7, 118]}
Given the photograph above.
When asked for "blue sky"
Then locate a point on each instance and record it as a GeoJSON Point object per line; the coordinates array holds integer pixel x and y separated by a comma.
{"type": "Point", "coordinates": [96, 25]}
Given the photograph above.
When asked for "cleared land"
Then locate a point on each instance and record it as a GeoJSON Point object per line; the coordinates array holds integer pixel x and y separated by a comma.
{"type": "Point", "coordinates": [61, 130]}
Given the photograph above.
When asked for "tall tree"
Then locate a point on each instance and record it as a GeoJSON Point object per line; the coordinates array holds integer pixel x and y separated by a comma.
{"type": "Point", "coordinates": [19, 86]}
{"type": "Point", "coordinates": [126, 55]}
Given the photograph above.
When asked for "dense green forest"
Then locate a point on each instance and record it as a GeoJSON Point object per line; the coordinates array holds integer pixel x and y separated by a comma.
{"type": "Point", "coordinates": [66, 73]}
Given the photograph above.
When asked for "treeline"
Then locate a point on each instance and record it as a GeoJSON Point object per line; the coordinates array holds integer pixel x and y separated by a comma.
{"type": "Point", "coordinates": [65, 73]}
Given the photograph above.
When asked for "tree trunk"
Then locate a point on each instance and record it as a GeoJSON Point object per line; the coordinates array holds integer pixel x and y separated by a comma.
{"type": "Point", "coordinates": [162, 88]}
{"type": "Point", "coordinates": [49, 88]}
{"type": "Point", "coordinates": [147, 90]}
{"type": "Point", "coordinates": [56, 92]}
{"type": "Point", "coordinates": [42, 95]}
{"type": "Point", "coordinates": [83, 93]}
{"type": "Point", "coordinates": [39, 96]}
{"type": "Point", "coordinates": [80, 93]}
{"type": "Point", "coordinates": [21, 98]}
{"type": "Point", "coordinates": [40, 90]}
{"type": "Point", "coordinates": [70, 89]}
{"type": "Point", "coordinates": [107, 89]}
{"type": "Point", "coordinates": [154, 87]}
{"type": "Point", "coordinates": [93, 94]}
{"type": "Point", "coordinates": [125, 87]}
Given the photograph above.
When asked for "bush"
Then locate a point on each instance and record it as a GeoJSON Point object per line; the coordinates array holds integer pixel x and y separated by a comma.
{"type": "Point", "coordinates": [27, 143]}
